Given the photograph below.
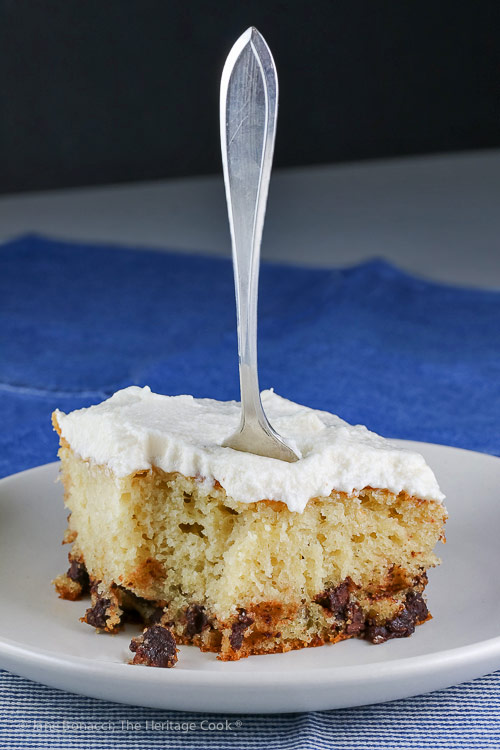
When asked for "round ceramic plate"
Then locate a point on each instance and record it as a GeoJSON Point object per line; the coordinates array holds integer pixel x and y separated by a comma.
{"type": "Point", "coordinates": [42, 638]}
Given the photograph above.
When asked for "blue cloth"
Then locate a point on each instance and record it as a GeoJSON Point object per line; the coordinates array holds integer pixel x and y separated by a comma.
{"type": "Point", "coordinates": [408, 358]}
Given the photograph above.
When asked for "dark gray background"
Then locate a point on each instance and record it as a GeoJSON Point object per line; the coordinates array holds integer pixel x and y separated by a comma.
{"type": "Point", "coordinates": [98, 91]}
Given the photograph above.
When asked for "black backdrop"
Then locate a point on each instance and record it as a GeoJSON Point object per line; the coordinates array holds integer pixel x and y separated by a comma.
{"type": "Point", "coordinates": [95, 91]}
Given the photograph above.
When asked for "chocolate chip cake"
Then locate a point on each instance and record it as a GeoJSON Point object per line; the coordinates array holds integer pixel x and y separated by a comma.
{"type": "Point", "coordinates": [236, 553]}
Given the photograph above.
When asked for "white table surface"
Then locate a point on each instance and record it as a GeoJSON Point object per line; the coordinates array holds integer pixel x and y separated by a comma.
{"type": "Point", "coordinates": [437, 216]}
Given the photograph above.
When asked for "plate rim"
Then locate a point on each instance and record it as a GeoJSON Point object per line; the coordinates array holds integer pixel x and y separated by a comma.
{"type": "Point", "coordinates": [386, 669]}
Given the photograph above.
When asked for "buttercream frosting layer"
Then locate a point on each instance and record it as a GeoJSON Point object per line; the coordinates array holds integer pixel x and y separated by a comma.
{"type": "Point", "coordinates": [136, 429]}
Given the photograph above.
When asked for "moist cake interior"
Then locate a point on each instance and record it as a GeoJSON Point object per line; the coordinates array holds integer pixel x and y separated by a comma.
{"type": "Point", "coordinates": [245, 578]}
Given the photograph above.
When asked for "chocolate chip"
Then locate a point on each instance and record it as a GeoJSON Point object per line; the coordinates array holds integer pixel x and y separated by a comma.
{"type": "Point", "coordinates": [156, 647]}
{"type": "Point", "coordinates": [78, 573]}
{"type": "Point", "coordinates": [335, 599]}
{"type": "Point", "coordinates": [97, 615]}
{"type": "Point", "coordinates": [196, 619]}
{"type": "Point", "coordinates": [238, 629]}
{"type": "Point", "coordinates": [416, 604]}
{"type": "Point", "coordinates": [401, 626]}
{"type": "Point", "coordinates": [355, 619]}
{"type": "Point", "coordinates": [376, 633]}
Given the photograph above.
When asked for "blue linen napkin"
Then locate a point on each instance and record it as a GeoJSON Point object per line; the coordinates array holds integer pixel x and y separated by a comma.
{"type": "Point", "coordinates": [408, 358]}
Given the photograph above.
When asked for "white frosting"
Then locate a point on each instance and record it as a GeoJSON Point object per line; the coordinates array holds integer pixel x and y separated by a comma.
{"type": "Point", "coordinates": [136, 429]}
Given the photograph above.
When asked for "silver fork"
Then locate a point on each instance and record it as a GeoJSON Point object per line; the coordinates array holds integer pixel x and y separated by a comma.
{"type": "Point", "coordinates": [248, 112]}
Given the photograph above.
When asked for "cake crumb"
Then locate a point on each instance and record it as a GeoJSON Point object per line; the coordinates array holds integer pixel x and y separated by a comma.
{"type": "Point", "coordinates": [74, 583]}
{"type": "Point", "coordinates": [105, 612]}
{"type": "Point", "coordinates": [156, 647]}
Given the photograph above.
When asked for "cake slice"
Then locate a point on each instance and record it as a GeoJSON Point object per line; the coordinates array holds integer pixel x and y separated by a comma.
{"type": "Point", "coordinates": [237, 553]}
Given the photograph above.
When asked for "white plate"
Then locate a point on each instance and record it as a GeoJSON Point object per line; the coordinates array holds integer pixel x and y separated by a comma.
{"type": "Point", "coordinates": [41, 637]}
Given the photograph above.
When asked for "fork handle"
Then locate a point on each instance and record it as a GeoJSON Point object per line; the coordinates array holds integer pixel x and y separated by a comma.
{"type": "Point", "coordinates": [248, 112]}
